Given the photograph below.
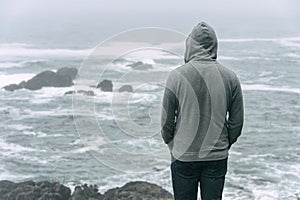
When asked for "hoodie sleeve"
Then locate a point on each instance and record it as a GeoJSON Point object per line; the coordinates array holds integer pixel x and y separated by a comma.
{"type": "Point", "coordinates": [236, 114]}
{"type": "Point", "coordinates": [169, 111]}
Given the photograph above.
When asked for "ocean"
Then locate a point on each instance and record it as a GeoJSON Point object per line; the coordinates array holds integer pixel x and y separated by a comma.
{"type": "Point", "coordinates": [113, 138]}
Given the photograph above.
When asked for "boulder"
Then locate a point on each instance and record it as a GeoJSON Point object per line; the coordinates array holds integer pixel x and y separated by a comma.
{"type": "Point", "coordinates": [69, 92]}
{"type": "Point", "coordinates": [105, 85]}
{"type": "Point", "coordinates": [12, 87]}
{"type": "Point", "coordinates": [67, 71]}
{"type": "Point", "coordinates": [138, 190]}
{"type": "Point", "coordinates": [126, 88]}
{"type": "Point", "coordinates": [30, 190]}
{"type": "Point", "coordinates": [87, 93]}
{"type": "Point", "coordinates": [45, 190]}
{"type": "Point", "coordinates": [84, 92]}
{"type": "Point", "coordinates": [48, 79]}
{"type": "Point", "coordinates": [140, 66]}
{"type": "Point", "coordinates": [86, 192]}
{"type": "Point", "coordinates": [62, 78]}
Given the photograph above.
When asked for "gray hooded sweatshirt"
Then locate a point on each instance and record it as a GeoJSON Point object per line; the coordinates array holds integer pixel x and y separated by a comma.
{"type": "Point", "coordinates": [202, 112]}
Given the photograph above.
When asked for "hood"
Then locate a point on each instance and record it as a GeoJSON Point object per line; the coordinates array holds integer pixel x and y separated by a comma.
{"type": "Point", "coordinates": [201, 44]}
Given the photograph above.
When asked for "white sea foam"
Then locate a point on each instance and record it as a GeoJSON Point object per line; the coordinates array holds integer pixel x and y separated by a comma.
{"type": "Point", "coordinates": [149, 87]}
{"type": "Point", "coordinates": [6, 79]}
{"type": "Point", "coordinates": [259, 87]}
{"type": "Point", "coordinates": [259, 39]}
{"type": "Point", "coordinates": [13, 148]}
{"type": "Point", "coordinates": [14, 50]}
{"type": "Point", "coordinates": [285, 41]}
{"type": "Point", "coordinates": [18, 127]}
{"type": "Point", "coordinates": [18, 64]}
{"type": "Point", "coordinates": [242, 58]}
{"type": "Point", "coordinates": [293, 55]}
{"type": "Point", "coordinates": [147, 55]}
{"type": "Point", "coordinates": [47, 94]}
{"type": "Point", "coordinates": [54, 112]}
{"type": "Point", "coordinates": [37, 134]}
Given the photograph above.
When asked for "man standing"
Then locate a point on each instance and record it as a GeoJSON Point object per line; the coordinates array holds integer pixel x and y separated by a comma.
{"type": "Point", "coordinates": [202, 117]}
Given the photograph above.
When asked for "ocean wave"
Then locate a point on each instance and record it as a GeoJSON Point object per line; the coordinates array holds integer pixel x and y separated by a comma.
{"type": "Point", "coordinates": [259, 39]}
{"type": "Point", "coordinates": [11, 148]}
{"type": "Point", "coordinates": [19, 127]}
{"type": "Point", "coordinates": [19, 64]}
{"type": "Point", "coordinates": [284, 41]}
{"type": "Point", "coordinates": [46, 94]}
{"type": "Point", "coordinates": [147, 55]}
{"type": "Point", "coordinates": [240, 58]}
{"type": "Point", "coordinates": [260, 87]}
{"type": "Point", "coordinates": [14, 50]}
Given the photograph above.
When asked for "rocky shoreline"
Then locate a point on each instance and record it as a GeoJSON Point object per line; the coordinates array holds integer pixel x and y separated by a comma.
{"type": "Point", "coordinates": [45, 190]}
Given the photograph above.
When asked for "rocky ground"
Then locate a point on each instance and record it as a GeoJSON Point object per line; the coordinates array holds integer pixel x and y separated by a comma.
{"type": "Point", "coordinates": [45, 190]}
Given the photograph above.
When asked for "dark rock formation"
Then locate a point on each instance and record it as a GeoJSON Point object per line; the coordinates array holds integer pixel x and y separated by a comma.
{"type": "Point", "coordinates": [88, 93]}
{"type": "Point", "coordinates": [30, 190]}
{"type": "Point", "coordinates": [84, 92]}
{"type": "Point", "coordinates": [62, 78]}
{"type": "Point", "coordinates": [12, 87]}
{"type": "Point", "coordinates": [126, 88]}
{"type": "Point", "coordinates": [105, 85]}
{"type": "Point", "coordinates": [67, 71]}
{"type": "Point", "coordinates": [138, 190]}
{"type": "Point", "coordinates": [45, 190]}
{"type": "Point", "coordinates": [140, 66]}
{"type": "Point", "coordinates": [86, 192]}
{"type": "Point", "coordinates": [70, 92]}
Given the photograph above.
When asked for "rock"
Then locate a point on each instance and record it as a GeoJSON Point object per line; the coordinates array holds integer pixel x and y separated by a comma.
{"type": "Point", "coordinates": [86, 192]}
{"type": "Point", "coordinates": [88, 93]}
{"type": "Point", "coordinates": [30, 190]}
{"type": "Point", "coordinates": [69, 92]}
{"type": "Point", "coordinates": [126, 88]}
{"type": "Point", "coordinates": [48, 79]}
{"type": "Point", "coordinates": [105, 86]}
{"type": "Point", "coordinates": [51, 196]}
{"type": "Point", "coordinates": [12, 87]}
{"type": "Point", "coordinates": [138, 190]}
{"type": "Point", "coordinates": [62, 78]}
{"type": "Point", "coordinates": [46, 190]}
{"type": "Point", "coordinates": [40, 80]}
{"type": "Point", "coordinates": [140, 66]}
{"type": "Point", "coordinates": [67, 71]}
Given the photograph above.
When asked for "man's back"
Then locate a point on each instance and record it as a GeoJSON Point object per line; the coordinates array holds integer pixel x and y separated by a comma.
{"type": "Point", "coordinates": [203, 103]}
{"type": "Point", "coordinates": [202, 117]}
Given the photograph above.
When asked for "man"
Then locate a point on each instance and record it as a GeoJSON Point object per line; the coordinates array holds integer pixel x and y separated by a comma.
{"type": "Point", "coordinates": [202, 117]}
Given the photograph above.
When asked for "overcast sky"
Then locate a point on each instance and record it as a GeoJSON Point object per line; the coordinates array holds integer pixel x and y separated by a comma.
{"type": "Point", "coordinates": [113, 16]}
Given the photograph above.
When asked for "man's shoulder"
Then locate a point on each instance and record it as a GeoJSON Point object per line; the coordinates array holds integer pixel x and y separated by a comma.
{"type": "Point", "coordinates": [179, 70]}
{"type": "Point", "coordinates": [226, 72]}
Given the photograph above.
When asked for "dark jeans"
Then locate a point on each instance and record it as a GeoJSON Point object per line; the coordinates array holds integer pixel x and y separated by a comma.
{"type": "Point", "coordinates": [186, 177]}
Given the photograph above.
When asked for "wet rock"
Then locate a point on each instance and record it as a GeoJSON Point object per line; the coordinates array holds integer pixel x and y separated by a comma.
{"type": "Point", "coordinates": [67, 71]}
{"type": "Point", "coordinates": [138, 190]}
{"type": "Point", "coordinates": [84, 92]}
{"type": "Point", "coordinates": [62, 78]}
{"type": "Point", "coordinates": [105, 85]}
{"type": "Point", "coordinates": [30, 190]}
{"type": "Point", "coordinates": [46, 190]}
{"type": "Point", "coordinates": [87, 93]}
{"type": "Point", "coordinates": [126, 88]}
{"type": "Point", "coordinates": [140, 66]}
{"type": "Point", "coordinates": [86, 192]}
{"type": "Point", "coordinates": [12, 87]}
{"type": "Point", "coordinates": [69, 92]}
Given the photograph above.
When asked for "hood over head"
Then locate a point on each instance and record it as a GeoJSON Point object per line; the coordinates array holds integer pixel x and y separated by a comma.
{"type": "Point", "coordinates": [201, 44]}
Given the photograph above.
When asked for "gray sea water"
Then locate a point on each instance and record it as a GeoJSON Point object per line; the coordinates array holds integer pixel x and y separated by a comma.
{"type": "Point", "coordinates": [39, 139]}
